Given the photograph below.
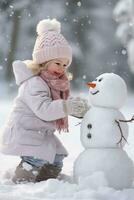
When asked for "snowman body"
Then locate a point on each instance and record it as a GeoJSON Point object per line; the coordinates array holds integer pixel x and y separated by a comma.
{"type": "Point", "coordinates": [99, 128]}
{"type": "Point", "coordinates": [115, 163]}
{"type": "Point", "coordinates": [102, 137]}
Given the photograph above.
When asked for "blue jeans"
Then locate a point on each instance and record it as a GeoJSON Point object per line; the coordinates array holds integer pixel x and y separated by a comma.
{"type": "Point", "coordinates": [58, 161]}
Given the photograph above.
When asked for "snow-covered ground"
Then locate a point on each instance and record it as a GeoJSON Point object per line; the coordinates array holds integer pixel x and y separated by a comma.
{"type": "Point", "coordinates": [94, 187]}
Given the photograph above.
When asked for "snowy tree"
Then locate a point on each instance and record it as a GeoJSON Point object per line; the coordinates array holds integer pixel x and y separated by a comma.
{"type": "Point", "coordinates": [87, 25]}
{"type": "Point", "coordinates": [124, 15]}
{"type": "Point", "coordinates": [12, 14]}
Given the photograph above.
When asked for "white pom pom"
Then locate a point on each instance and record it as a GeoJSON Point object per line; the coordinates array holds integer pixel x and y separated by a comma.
{"type": "Point", "coordinates": [48, 25]}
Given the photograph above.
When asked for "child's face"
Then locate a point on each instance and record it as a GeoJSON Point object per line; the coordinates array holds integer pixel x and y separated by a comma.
{"type": "Point", "coordinates": [57, 67]}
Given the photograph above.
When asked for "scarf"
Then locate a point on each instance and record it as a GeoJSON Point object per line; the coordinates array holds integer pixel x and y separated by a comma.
{"type": "Point", "coordinates": [59, 87]}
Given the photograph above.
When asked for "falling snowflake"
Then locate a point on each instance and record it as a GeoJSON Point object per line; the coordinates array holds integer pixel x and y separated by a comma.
{"type": "Point", "coordinates": [79, 4]}
{"type": "Point", "coordinates": [12, 13]}
{"type": "Point", "coordinates": [75, 20]}
{"type": "Point", "coordinates": [67, 3]}
{"type": "Point", "coordinates": [1, 67]}
{"type": "Point", "coordinates": [11, 6]}
{"type": "Point", "coordinates": [84, 77]}
{"type": "Point", "coordinates": [124, 52]}
{"type": "Point", "coordinates": [89, 21]}
{"type": "Point", "coordinates": [131, 23]}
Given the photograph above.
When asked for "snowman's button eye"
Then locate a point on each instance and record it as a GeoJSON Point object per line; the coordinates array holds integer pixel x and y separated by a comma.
{"type": "Point", "coordinates": [100, 79]}
{"type": "Point", "coordinates": [89, 135]}
{"type": "Point", "coordinates": [89, 126]}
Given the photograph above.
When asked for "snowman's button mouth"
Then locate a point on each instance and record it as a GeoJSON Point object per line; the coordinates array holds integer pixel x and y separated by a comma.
{"type": "Point", "coordinates": [93, 93]}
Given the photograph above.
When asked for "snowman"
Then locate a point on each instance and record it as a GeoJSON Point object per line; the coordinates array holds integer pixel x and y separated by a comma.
{"type": "Point", "coordinates": [104, 133]}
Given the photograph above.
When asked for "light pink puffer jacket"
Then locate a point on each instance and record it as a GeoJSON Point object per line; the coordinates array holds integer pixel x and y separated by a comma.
{"type": "Point", "coordinates": [29, 130]}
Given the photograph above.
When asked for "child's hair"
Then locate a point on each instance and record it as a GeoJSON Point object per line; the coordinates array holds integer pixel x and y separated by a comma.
{"type": "Point", "coordinates": [35, 68]}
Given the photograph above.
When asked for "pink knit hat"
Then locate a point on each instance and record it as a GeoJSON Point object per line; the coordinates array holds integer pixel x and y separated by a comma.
{"type": "Point", "coordinates": [50, 43]}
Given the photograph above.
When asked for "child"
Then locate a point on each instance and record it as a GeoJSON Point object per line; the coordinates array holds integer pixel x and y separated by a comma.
{"type": "Point", "coordinates": [41, 107]}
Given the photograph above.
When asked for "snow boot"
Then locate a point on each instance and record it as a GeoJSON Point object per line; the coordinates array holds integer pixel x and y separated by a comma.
{"type": "Point", "coordinates": [25, 173]}
{"type": "Point", "coordinates": [48, 171]}
{"type": "Point", "coordinates": [28, 173]}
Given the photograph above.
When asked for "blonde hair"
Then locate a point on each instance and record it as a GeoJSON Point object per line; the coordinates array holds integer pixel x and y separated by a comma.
{"type": "Point", "coordinates": [36, 68]}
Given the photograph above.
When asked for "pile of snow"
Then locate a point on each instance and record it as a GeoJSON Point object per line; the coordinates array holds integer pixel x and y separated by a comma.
{"type": "Point", "coordinates": [93, 187]}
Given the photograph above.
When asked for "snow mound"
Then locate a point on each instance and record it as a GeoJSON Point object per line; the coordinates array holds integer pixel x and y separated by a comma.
{"type": "Point", "coordinates": [93, 187]}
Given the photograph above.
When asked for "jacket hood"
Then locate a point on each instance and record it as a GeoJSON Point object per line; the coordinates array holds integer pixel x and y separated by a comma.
{"type": "Point", "coordinates": [21, 72]}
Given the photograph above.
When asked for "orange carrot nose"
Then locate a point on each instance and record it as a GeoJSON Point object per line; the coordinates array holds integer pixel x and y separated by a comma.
{"type": "Point", "coordinates": [91, 84]}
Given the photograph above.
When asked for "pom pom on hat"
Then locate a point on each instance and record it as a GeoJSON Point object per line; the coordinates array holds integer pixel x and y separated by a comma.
{"type": "Point", "coordinates": [48, 25]}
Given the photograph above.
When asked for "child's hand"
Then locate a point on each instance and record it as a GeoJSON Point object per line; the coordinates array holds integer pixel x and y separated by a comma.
{"type": "Point", "coordinates": [76, 107]}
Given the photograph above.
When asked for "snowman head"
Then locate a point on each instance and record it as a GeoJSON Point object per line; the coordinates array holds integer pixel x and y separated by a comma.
{"type": "Point", "coordinates": [108, 90]}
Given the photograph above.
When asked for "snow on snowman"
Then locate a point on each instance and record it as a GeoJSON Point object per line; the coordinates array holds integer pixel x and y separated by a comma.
{"type": "Point", "coordinates": [104, 134]}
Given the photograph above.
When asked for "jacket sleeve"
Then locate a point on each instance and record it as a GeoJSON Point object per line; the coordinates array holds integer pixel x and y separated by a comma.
{"type": "Point", "coordinates": [37, 96]}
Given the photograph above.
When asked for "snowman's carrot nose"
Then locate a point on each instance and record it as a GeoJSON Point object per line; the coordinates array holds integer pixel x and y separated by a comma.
{"type": "Point", "coordinates": [91, 84]}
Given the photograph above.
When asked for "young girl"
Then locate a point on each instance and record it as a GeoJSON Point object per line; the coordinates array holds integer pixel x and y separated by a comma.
{"type": "Point", "coordinates": [41, 107]}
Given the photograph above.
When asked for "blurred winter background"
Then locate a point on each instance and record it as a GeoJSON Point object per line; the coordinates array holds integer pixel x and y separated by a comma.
{"type": "Point", "coordinates": [101, 34]}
